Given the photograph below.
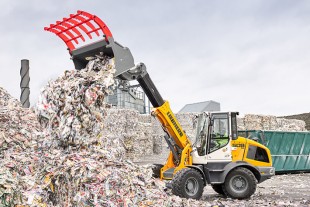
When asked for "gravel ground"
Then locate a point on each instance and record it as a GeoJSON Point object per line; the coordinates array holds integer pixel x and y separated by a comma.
{"type": "Point", "coordinates": [280, 190]}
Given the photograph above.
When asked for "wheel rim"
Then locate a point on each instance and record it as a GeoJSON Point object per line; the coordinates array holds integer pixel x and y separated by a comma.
{"type": "Point", "coordinates": [191, 186]}
{"type": "Point", "coordinates": [238, 184]}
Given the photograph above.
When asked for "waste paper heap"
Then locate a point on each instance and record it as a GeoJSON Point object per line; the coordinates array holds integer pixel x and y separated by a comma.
{"type": "Point", "coordinates": [160, 145]}
{"type": "Point", "coordinates": [132, 128]}
{"type": "Point", "coordinates": [20, 140]}
{"type": "Point", "coordinates": [79, 158]}
{"type": "Point", "coordinates": [269, 122]}
{"type": "Point", "coordinates": [87, 166]}
{"type": "Point", "coordinates": [72, 107]}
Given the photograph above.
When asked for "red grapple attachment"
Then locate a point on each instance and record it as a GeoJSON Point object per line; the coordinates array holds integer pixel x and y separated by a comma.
{"type": "Point", "coordinates": [81, 26]}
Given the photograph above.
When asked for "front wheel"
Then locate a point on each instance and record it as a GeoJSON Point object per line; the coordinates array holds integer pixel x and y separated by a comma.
{"type": "Point", "coordinates": [240, 183]}
{"type": "Point", "coordinates": [188, 183]}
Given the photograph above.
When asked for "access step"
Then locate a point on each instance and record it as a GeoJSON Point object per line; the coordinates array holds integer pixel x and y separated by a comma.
{"type": "Point", "coordinates": [168, 174]}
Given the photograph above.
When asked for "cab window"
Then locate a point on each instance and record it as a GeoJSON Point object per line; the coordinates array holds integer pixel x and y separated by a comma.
{"type": "Point", "coordinates": [258, 154]}
{"type": "Point", "coordinates": [219, 133]}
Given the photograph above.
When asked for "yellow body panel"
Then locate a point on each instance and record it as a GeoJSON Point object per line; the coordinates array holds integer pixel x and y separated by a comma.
{"type": "Point", "coordinates": [240, 148]}
{"type": "Point", "coordinates": [171, 124]}
{"type": "Point", "coordinates": [174, 129]}
{"type": "Point", "coordinates": [254, 162]}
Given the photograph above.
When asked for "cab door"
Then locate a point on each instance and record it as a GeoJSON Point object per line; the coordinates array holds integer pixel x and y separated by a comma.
{"type": "Point", "coordinates": [219, 148]}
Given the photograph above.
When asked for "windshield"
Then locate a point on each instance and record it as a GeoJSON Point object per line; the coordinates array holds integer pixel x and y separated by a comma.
{"type": "Point", "coordinates": [219, 132]}
{"type": "Point", "coordinates": [201, 133]}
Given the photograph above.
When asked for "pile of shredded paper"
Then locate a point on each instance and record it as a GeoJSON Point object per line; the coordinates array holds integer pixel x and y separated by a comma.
{"type": "Point", "coordinates": [269, 122]}
{"type": "Point", "coordinates": [72, 159]}
{"type": "Point", "coordinates": [87, 165]}
{"type": "Point", "coordinates": [72, 107]}
{"type": "Point", "coordinates": [21, 138]}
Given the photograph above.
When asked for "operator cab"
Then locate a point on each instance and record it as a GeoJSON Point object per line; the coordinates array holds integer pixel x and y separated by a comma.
{"type": "Point", "coordinates": [232, 165]}
{"type": "Point", "coordinates": [215, 130]}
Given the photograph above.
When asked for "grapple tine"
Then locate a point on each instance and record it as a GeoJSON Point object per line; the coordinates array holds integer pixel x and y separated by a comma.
{"type": "Point", "coordinates": [67, 24]}
{"type": "Point", "coordinates": [101, 24]}
{"type": "Point", "coordinates": [62, 36]}
{"type": "Point", "coordinates": [65, 31]}
{"type": "Point", "coordinates": [81, 26]}
{"type": "Point", "coordinates": [89, 24]}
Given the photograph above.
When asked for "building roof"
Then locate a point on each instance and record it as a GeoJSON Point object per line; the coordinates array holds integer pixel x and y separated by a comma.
{"type": "Point", "coordinates": [201, 106]}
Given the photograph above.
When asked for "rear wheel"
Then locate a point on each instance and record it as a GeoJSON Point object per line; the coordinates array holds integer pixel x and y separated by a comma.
{"type": "Point", "coordinates": [218, 188]}
{"type": "Point", "coordinates": [240, 183]}
{"type": "Point", "coordinates": [156, 170]}
{"type": "Point", "coordinates": [188, 183]}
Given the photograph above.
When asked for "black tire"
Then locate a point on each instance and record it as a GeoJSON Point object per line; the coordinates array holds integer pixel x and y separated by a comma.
{"type": "Point", "coordinates": [218, 188]}
{"type": "Point", "coordinates": [156, 170]}
{"type": "Point", "coordinates": [188, 183]}
{"type": "Point", "coordinates": [240, 183]}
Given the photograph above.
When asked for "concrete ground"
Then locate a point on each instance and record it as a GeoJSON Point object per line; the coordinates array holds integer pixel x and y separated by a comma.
{"type": "Point", "coordinates": [280, 190]}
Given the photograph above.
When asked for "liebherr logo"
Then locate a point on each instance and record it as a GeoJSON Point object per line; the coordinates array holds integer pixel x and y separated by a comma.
{"type": "Point", "coordinates": [175, 124]}
{"type": "Point", "coordinates": [242, 146]}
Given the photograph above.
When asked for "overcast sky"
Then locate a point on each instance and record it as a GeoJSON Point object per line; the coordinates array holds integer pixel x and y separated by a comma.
{"type": "Point", "coordinates": [251, 56]}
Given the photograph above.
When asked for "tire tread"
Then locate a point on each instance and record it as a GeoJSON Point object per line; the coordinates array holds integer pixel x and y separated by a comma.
{"type": "Point", "coordinates": [178, 179]}
{"type": "Point", "coordinates": [252, 185]}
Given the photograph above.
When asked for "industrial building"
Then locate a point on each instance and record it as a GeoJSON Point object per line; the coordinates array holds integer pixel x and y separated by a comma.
{"type": "Point", "coordinates": [201, 106]}
{"type": "Point", "coordinates": [130, 97]}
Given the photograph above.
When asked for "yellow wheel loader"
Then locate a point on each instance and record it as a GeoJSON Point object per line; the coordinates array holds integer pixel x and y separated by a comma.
{"type": "Point", "coordinates": [232, 165]}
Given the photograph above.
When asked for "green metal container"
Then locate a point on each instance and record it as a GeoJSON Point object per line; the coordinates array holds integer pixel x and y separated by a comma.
{"type": "Point", "coordinates": [290, 151]}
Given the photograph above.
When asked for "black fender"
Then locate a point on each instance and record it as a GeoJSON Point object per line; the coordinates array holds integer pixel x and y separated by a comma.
{"type": "Point", "coordinates": [229, 167]}
{"type": "Point", "coordinates": [199, 168]}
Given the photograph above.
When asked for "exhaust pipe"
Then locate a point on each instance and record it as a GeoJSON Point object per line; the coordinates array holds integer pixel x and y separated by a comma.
{"type": "Point", "coordinates": [24, 83]}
